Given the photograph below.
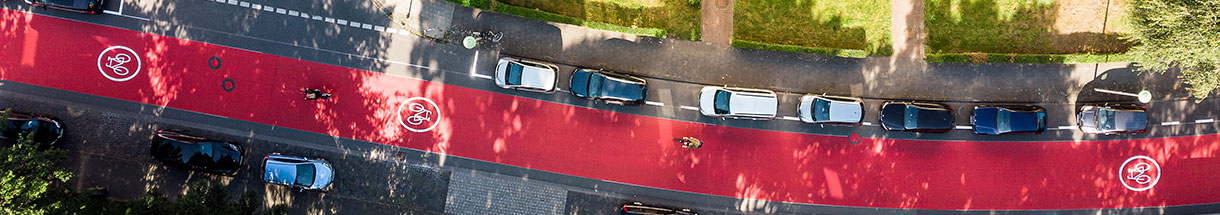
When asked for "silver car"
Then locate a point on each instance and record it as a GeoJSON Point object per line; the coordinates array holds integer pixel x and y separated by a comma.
{"type": "Point", "coordinates": [738, 103]}
{"type": "Point", "coordinates": [830, 109]}
{"type": "Point", "coordinates": [1112, 119]}
{"type": "Point", "coordinates": [513, 73]}
{"type": "Point", "coordinates": [297, 172]}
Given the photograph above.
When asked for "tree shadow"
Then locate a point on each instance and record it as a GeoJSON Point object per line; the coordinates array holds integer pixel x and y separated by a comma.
{"type": "Point", "coordinates": [987, 26]}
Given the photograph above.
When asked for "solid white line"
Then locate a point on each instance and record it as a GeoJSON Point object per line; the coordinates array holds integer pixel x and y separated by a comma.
{"type": "Point", "coordinates": [1205, 121]}
{"type": "Point", "coordinates": [688, 107]}
{"type": "Point", "coordinates": [1171, 123]}
{"type": "Point", "coordinates": [868, 123]}
{"type": "Point", "coordinates": [654, 103]}
{"type": "Point", "coordinates": [293, 13]}
{"type": "Point", "coordinates": [1052, 129]}
{"type": "Point", "coordinates": [963, 127]}
{"type": "Point", "coordinates": [477, 75]}
{"type": "Point", "coordinates": [790, 118]}
{"type": "Point", "coordinates": [124, 15]}
{"type": "Point", "coordinates": [244, 4]}
{"type": "Point", "coordinates": [1066, 127]}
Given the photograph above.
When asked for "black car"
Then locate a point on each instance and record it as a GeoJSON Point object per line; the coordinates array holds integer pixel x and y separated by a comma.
{"type": "Point", "coordinates": [608, 86]}
{"type": "Point", "coordinates": [1112, 119]}
{"type": "Point", "coordinates": [1003, 119]}
{"type": "Point", "coordinates": [80, 6]}
{"type": "Point", "coordinates": [197, 152]}
{"type": "Point", "coordinates": [916, 116]}
{"type": "Point", "coordinates": [43, 129]}
{"type": "Point", "coordinates": [636, 208]}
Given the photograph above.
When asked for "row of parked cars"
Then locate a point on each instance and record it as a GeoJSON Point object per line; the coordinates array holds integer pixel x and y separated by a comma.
{"type": "Point", "coordinates": [761, 104]}
{"type": "Point", "coordinates": [226, 158]}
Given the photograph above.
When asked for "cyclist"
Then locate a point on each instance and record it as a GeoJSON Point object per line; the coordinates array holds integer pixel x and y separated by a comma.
{"type": "Point", "coordinates": [690, 142]}
{"type": "Point", "coordinates": [312, 94]}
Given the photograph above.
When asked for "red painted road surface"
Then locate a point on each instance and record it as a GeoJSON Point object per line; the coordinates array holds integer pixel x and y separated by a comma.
{"type": "Point", "coordinates": [735, 162]}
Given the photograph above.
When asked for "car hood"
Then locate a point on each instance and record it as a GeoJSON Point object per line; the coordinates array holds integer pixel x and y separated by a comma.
{"type": "Point", "coordinates": [580, 83]}
{"type": "Point", "coordinates": [984, 120]}
{"type": "Point", "coordinates": [892, 116]}
{"type": "Point", "coordinates": [707, 101]}
{"type": "Point", "coordinates": [804, 109]}
{"type": "Point", "coordinates": [324, 175]}
{"type": "Point", "coordinates": [1088, 119]}
{"type": "Point", "coordinates": [501, 68]}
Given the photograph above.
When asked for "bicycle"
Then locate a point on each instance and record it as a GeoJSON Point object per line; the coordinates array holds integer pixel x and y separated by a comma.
{"type": "Point", "coordinates": [689, 142]}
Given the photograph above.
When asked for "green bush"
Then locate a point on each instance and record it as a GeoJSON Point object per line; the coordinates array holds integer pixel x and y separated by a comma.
{"type": "Point", "coordinates": [695, 3]}
{"type": "Point", "coordinates": [851, 53]}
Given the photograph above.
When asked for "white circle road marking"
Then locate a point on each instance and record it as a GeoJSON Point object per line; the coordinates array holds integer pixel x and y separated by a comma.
{"type": "Point", "coordinates": [1154, 179]}
{"type": "Point", "coordinates": [417, 118]}
{"type": "Point", "coordinates": [116, 64]}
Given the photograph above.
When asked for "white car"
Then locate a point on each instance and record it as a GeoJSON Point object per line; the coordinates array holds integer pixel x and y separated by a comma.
{"type": "Point", "coordinates": [512, 73]}
{"type": "Point", "coordinates": [738, 103]}
{"type": "Point", "coordinates": [830, 109]}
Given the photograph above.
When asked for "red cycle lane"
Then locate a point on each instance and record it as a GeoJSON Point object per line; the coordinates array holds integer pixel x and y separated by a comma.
{"type": "Point", "coordinates": [633, 149]}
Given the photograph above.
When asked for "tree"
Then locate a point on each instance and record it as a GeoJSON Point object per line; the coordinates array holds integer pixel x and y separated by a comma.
{"type": "Point", "coordinates": [1182, 34]}
{"type": "Point", "coordinates": [26, 173]}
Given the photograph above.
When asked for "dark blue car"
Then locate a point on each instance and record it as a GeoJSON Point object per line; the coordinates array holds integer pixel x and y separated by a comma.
{"type": "Point", "coordinates": [1003, 119]}
{"type": "Point", "coordinates": [41, 129]}
{"type": "Point", "coordinates": [916, 116]}
{"type": "Point", "coordinates": [79, 6]}
{"type": "Point", "coordinates": [197, 152]}
{"type": "Point", "coordinates": [609, 87]}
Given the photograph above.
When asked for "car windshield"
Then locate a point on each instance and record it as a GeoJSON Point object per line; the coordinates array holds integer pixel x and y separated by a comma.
{"type": "Point", "coordinates": [1105, 119]}
{"type": "Point", "coordinates": [199, 155]}
{"type": "Point", "coordinates": [305, 174]}
{"type": "Point", "coordinates": [1003, 121]}
{"type": "Point", "coordinates": [910, 117]}
{"type": "Point", "coordinates": [722, 102]}
{"type": "Point", "coordinates": [821, 110]}
{"type": "Point", "coordinates": [514, 74]}
{"type": "Point", "coordinates": [595, 84]}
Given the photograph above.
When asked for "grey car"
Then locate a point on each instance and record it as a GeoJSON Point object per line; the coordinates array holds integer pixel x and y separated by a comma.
{"type": "Point", "coordinates": [297, 172]}
{"type": "Point", "coordinates": [830, 109]}
{"type": "Point", "coordinates": [1112, 119]}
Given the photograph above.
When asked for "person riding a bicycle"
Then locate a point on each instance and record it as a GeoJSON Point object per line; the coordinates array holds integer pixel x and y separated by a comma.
{"type": "Point", "coordinates": [690, 142]}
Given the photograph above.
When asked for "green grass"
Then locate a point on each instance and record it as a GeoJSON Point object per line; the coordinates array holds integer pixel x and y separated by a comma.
{"type": "Point", "coordinates": [553, 17]}
{"type": "Point", "coordinates": [833, 24]}
{"type": "Point", "coordinates": [1015, 26]}
{"type": "Point", "coordinates": [1027, 58]}
{"type": "Point", "coordinates": [852, 53]}
{"type": "Point", "coordinates": [677, 18]}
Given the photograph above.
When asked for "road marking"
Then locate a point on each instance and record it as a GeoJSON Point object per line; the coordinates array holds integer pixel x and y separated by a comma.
{"type": "Point", "coordinates": [316, 17]}
{"type": "Point", "coordinates": [269, 8]}
{"type": "Point", "coordinates": [293, 13]}
{"type": "Point", "coordinates": [124, 15]}
{"type": "Point", "coordinates": [233, 2]}
{"type": "Point", "coordinates": [256, 6]}
{"type": "Point", "coordinates": [366, 26]}
{"type": "Point", "coordinates": [244, 4]}
{"type": "Point", "coordinates": [304, 15]}
{"type": "Point", "coordinates": [342, 22]}
{"type": "Point", "coordinates": [867, 123]}
{"type": "Point", "coordinates": [790, 118]}
{"type": "Point", "coordinates": [391, 30]}
{"type": "Point", "coordinates": [962, 127]}
{"type": "Point", "coordinates": [658, 104]}
{"type": "Point", "coordinates": [1205, 121]}
{"type": "Point", "coordinates": [379, 28]}
{"type": "Point", "coordinates": [280, 10]}
{"type": "Point", "coordinates": [330, 20]}
{"type": "Point", "coordinates": [354, 24]}
{"type": "Point", "coordinates": [1066, 127]}
{"type": "Point", "coordinates": [477, 75]}
{"type": "Point", "coordinates": [1171, 123]}
{"type": "Point", "coordinates": [689, 107]}
{"type": "Point", "coordinates": [560, 90]}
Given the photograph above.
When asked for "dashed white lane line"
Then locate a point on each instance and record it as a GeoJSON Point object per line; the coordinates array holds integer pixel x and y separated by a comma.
{"type": "Point", "coordinates": [304, 15]}
{"type": "Point", "coordinates": [342, 22]}
{"type": "Point", "coordinates": [391, 30]}
{"type": "Point", "coordinates": [280, 11]}
{"type": "Point", "coordinates": [561, 90]}
{"type": "Point", "coordinates": [867, 123]}
{"type": "Point", "coordinates": [256, 6]}
{"type": "Point", "coordinates": [293, 13]}
{"type": "Point", "coordinates": [1066, 127]}
{"type": "Point", "coordinates": [1171, 123]}
{"type": "Point", "coordinates": [379, 28]}
{"type": "Point", "coordinates": [269, 8]}
{"type": "Point", "coordinates": [962, 127]}
{"type": "Point", "coordinates": [477, 75]}
{"type": "Point", "coordinates": [244, 4]}
{"type": "Point", "coordinates": [658, 104]}
{"type": "Point", "coordinates": [330, 20]}
{"type": "Point", "coordinates": [790, 118]}
{"type": "Point", "coordinates": [233, 2]}
{"type": "Point", "coordinates": [353, 24]}
{"type": "Point", "coordinates": [689, 107]}
{"type": "Point", "coordinates": [1205, 121]}
{"type": "Point", "coordinates": [316, 17]}
{"type": "Point", "coordinates": [366, 26]}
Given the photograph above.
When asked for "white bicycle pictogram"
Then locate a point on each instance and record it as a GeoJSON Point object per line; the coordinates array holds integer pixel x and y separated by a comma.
{"type": "Point", "coordinates": [1137, 173]}
{"type": "Point", "coordinates": [116, 63]}
{"type": "Point", "coordinates": [421, 115]}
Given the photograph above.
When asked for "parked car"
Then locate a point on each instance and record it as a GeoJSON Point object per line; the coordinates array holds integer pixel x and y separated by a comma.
{"type": "Point", "coordinates": [636, 208]}
{"type": "Point", "coordinates": [830, 109]}
{"type": "Point", "coordinates": [916, 116]}
{"type": "Point", "coordinates": [42, 129]}
{"type": "Point", "coordinates": [512, 73]}
{"type": "Point", "coordinates": [79, 6]}
{"type": "Point", "coordinates": [197, 152]}
{"type": "Point", "coordinates": [609, 87]}
{"type": "Point", "coordinates": [1003, 119]}
{"type": "Point", "coordinates": [1112, 119]}
{"type": "Point", "coordinates": [738, 103]}
{"type": "Point", "coordinates": [297, 172]}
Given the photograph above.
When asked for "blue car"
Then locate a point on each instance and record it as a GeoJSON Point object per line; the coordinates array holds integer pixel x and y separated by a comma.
{"type": "Point", "coordinates": [609, 87]}
{"type": "Point", "coordinates": [298, 172]}
{"type": "Point", "coordinates": [1004, 119]}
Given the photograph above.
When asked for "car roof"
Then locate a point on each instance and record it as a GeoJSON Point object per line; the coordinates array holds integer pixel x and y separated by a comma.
{"type": "Point", "coordinates": [753, 103]}
{"type": "Point", "coordinates": [537, 76]}
{"type": "Point", "coordinates": [845, 112]}
{"type": "Point", "coordinates": [1130, 120]}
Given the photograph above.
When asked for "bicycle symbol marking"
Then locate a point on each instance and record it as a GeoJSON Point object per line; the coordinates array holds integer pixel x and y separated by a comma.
{"type": "Point", "coordinates": [115, 63]}
{"type": "Point", "coordinates": [423, 114]}
{"type": "Point", "coordinates": [1144, 171]}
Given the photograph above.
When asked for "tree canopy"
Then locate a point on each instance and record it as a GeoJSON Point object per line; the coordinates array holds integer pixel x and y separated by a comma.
{"type": "Point", "coordinates": [1178, 34]}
